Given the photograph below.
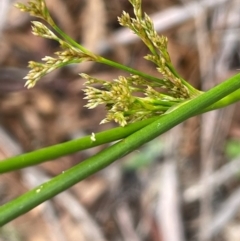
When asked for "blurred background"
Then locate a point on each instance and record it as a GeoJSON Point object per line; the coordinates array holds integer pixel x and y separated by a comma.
{"type": "Point", "coordinates": [182, 186]}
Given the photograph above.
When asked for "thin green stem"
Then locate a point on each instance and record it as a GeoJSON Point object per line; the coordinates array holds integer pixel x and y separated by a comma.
{"type": "Point", "coordinates": [193, 92]}
{"type": "Point", "coordinates": [128, 69]}
{"type": "Point", "coordinates": [69, 147]}
{"type": "Point", "coordinates": [70, 40]}
{"type": "Point", "coordinates": [102, 60]}
{"type": "Point", "coordinates": [79, 172]}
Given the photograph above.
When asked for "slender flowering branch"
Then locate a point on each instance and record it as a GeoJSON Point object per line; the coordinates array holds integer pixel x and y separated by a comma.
{"type": "Point", "coordinates": [127, 99]}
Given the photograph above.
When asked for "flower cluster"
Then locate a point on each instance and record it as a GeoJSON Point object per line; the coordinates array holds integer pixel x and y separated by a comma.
{"type": "Point", "coordinates": [38, 70]}
{"type": "Point", "coordinates": [69, 54]}
{"type": "Point", "coordinates": [144, 28]}
{"type": "Point", "coordinates": [36, 8]}
{"type": "Point", "coordinates": [127, 99]}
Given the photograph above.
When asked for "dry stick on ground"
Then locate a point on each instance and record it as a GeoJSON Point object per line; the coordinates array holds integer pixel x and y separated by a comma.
{"type": "Point", "coordinates": [168, 212]}
{"type": "Point", "coordinates": [225, 174]}
{"type": "Point", "coordinates": [168, 209]}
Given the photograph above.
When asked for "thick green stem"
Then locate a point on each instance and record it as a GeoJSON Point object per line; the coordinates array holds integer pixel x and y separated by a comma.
{"type": "Point", "coordinates": [228, 100]}
{"type": "Point", "coordinates": [77, 173]}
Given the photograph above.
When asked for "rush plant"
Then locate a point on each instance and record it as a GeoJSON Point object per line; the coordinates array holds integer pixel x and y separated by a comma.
{"type": "Point", "coordinates": [144, 106]}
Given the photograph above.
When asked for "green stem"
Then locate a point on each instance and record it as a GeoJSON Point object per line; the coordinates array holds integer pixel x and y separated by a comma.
{"type": "Point", "coordinates": [69, 147]}
{"type": "Point", "coordinates": [79, 172]}
{"type": "Point", "coordinates": [56, 151]}
{"type": "Point", "coordinates": [128, 69]}
{"type": "Point", "coordinates": [102, 60]}
{"type": "Point", "coordinates": [193, 92]}
{"type": "Point", "coordinates": [228, 100]}
{"type": "Point", "coordinates": [70, 40]}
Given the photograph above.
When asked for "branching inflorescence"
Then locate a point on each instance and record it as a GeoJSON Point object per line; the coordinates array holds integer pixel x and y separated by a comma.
{"type": "Point", "coordinates": [127, 99]}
